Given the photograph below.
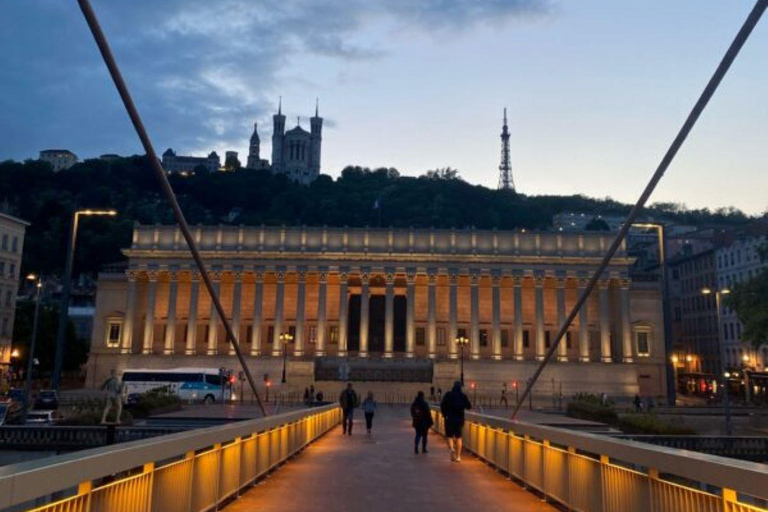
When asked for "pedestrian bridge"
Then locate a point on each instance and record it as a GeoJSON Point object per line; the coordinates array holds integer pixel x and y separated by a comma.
{"type": "Point", "coordinates": [299, 461]}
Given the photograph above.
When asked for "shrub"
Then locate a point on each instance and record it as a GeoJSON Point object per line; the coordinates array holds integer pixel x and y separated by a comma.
{"type": "Point", "coordinates": [153, 401]}
{"type": "Point", "coordinates": [650, 424]}
{"type": "Point", "coordinates": [88, 413]}
{"type": "Point", "coordinates": [586, 410]}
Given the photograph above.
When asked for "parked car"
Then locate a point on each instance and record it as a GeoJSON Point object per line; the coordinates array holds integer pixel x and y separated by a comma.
{"type": "Point", "coordinates": [10, 413]}
{"type": "Point", "coordinates": [36, 417]}
{"type": "Point", "coordinates": [47, 399]}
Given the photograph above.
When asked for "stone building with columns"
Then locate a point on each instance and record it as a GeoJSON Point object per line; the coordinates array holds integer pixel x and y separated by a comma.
{"type": "Point", "coordinates": [383, 297]}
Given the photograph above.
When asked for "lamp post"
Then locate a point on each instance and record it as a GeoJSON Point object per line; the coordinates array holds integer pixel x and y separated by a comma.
{"type": "Point", "coordinates": [15, 354]}
{"type": "Point", "coordinates": [674, 359]}
{"type": "Point", "coordinates": [65, 291]}
{"type": "Point", "coordinates": [32, 343]}
{"type": "Point", "coordinates": [726, 399]}
{"type": "Point", "coordinates": [285, 339]}
{"type": "Point", "coordinates": [462, 341]}
{"type": "Point", "coordinates": [665, 304]}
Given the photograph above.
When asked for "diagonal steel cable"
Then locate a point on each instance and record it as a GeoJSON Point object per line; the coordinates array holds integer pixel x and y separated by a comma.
{"type": "Point", "coordinates": [133, 113]}
{"type": "Point", "coordinates": [698, 108]}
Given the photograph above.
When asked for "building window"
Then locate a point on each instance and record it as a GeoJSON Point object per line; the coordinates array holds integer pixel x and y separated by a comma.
{"type": "Point", "coordinates": [5, 242]}
{"type": "Point", "coordinates": [421, 336]}
{"type": "Point", "coordinates": [12, 270]}
{"type": "Point", "coordinates": [15, 246]}
{"type": "Point", "coordinates": [8, 297]}
{"type": "Point", "coordinates": [5, 327]}
{"type": "Point", "coordinates": [333, 335]}
{"type": "Point", "coordinates": [642, 343]}
{"type": "Point", "coordinates": [441, 336]}
{"type": "Point", "coordinates": [114, 329]}
{"type": "Point", "coordinates": [248, 334]}
{"type": "Point", "coordinates": [461, 333]}
{"type": "Point", "coordinates": [312, 335]}
{"type": "Point", "coordinates": [568, 340]}
{"type": "Point", "coordinates": [526, 338]}
{"type": "Point", "coordinates": [483, 337]}
{"type": "Point", "coordinates": [270, 334]}
{"type": "Point", "coordinates": [504, 338]}
{"type": "Point", "coordinates": [547, 340]}
{"type": "Point", "coordinates": [2, 268]}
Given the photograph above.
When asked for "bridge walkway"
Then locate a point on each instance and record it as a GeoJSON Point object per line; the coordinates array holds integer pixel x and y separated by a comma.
{"type": "Point", "coordinates": [381, 473]}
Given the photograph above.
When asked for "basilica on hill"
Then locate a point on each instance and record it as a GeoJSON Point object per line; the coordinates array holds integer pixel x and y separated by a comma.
{"type": "Point", "coordinates": [295, 152]}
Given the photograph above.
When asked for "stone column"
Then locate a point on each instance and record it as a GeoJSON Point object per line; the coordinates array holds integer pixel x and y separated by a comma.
{"type": "Point", "coordinates": [432, 313]}
{"type": "Point", "coordinates": [130, 314]}
{"type": "Point", "coordinates": [540, 336]}
{"type": "Point", "coordinates": [364, 309]}
{"type": "Point", "coordinates": [298, 350]}
{"type": "Point", "coordinates": [389, 313]}
{"type": "Point", "coordinates": [453, 306]}
{"type": "Point", "coordinates": [410, 330]}
{"type": "Point", "coordinates": [322, 322]}
{"type": "Point", "coordinates": [236, 315]}
{"type": "Point", "coordinates": [605, 322]}
{"type": "Point", "coordinates": [583, 326]}
{"type": "Point", "coordinates": [562, 349]}
{"type": "Point", "coordinates": [170, 324]}
{"type": "Point", "coordinates": [258, 295]}
{"type": "Point", "coordinates": [213, 321]}
{"type": "Point", "coordinates": [517, 283]}
{"type": "Point", "coordinates": [474, 321]}
{"type": "Point", "coordinates": [626, 325]}
{"type": "Point", "coordinates": [277, 344]}
{"type": "Point", "coordinates": [149, 319]}
{"type": "Point", "coordinates": [496, 298]}
{"type": "Point", "coordinates": [343, 309]}
{"type": "Point", "coordinates": [194, 294]}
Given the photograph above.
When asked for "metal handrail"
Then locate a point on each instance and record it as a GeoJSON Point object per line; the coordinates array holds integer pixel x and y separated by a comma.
{"type": "Point", "coordinates": [286, 434]}
{"type": "Point", "coordinates": [551, 460]}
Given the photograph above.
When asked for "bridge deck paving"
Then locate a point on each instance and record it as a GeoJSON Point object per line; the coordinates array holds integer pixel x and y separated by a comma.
{"type": "Point", "coordinates": [381, 473]}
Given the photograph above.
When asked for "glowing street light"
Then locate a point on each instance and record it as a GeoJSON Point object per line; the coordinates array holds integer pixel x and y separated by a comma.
{"type": "Point", "coordinates": [66, 289]}
{"type": "Point", "coordinates": [462, 341]}
{"type": "Point", "coordinates": [285, 339]}
{"type": "Point", "coordinates": [32, 343]}
{"type": "Point", "coordinates": [726, 399]}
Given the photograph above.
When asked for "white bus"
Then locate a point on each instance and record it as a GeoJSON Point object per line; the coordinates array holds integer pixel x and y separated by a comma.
{"type": "Point", "coordinates": [190, 384]}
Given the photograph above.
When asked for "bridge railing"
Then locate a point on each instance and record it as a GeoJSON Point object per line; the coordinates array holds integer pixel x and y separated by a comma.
{"type": "Point", "coordinates": [190, 471]}
{"type": "Point", "coordinates": [595, 473]}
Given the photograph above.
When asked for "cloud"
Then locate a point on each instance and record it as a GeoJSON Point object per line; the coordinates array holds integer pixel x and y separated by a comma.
{"type": "Point", "coordinates": [200, 71]}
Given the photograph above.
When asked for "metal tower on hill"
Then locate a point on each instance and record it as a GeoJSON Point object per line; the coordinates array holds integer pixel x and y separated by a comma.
{"type": "Point", "coordinates": [505, 169]}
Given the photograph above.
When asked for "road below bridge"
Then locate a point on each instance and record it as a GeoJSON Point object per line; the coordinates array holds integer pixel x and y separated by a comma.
{"type": "Point", "coordinates": [381, 473]}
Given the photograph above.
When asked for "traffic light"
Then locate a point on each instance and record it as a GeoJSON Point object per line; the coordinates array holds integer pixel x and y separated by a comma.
{"type": "Point", "coordinates": [514, 384]}
{"type": "Point", "coordinates": [472, 385]}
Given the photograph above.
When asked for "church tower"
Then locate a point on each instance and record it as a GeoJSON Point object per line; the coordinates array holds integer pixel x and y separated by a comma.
{"type": "Point", "coordinates": [254, 149]}
{"type": "Point", "coordinates": [278, 121]}
{"type": "Point", "coordinates": [315, 141]}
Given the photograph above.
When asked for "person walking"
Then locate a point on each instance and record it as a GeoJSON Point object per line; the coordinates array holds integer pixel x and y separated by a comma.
{"type": "Point", "coordinates": [503, 400]}
{"type": "Point", "coordinates": [638, 404]}
{"type": "Point", "coordinates": [349, 401]}
{"type": "Point", "coordinates": [454, 403]}
{"type": "Point", "coordinates": [432, 397]}
{"type": "Point", "coordinates": [422, 422]}
{"type": "Point", "coordinates": [369, 409]}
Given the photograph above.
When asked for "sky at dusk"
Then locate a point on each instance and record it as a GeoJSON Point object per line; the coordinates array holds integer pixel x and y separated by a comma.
{"type": "Point", "coordinates": [595, 89]}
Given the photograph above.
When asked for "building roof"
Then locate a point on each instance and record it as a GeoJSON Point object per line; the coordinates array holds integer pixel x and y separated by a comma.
{"type": "Point", "coordinates": [55, 151]}
{"type": "Point", "coordinates": [11, 218]}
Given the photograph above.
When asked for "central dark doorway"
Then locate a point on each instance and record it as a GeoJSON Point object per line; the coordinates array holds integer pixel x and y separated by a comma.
{"type": "Point", "coordinates": [376, 323]}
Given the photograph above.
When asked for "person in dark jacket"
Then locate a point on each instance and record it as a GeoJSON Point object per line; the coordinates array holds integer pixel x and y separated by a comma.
{"type": "Point", "coordinates": [454, 403]}
{"type": "Point", "coordinates": [349, 401]}
{"type": "Point", "coordinates": [422, 422]}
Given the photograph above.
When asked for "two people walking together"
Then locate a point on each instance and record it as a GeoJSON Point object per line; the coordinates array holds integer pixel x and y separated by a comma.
{"type": "Point", "coordinates": [349, 401]}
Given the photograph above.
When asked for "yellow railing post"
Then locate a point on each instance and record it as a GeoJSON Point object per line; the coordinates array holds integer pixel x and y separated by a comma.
{"type": "Point", "coordinates": [729, 497]}
{"type": "Point", "coordinates": [604, 461]}
{"type": "Point", "coordinates": [544, 453]}
{"type": "Point", "coordinates": [85, 489]}
{"type": "Point", "coordinates": [217, 450]}
{"type": "Point", "coordinates": [149, 469]}
{"type": "Point", "coordinates": [190, 456]}
{"type": "Point", "coordinates": [569, 469]}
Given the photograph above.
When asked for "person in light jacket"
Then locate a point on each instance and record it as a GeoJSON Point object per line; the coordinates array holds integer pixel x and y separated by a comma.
{"type": "Point", "coordinates": [369, 408]}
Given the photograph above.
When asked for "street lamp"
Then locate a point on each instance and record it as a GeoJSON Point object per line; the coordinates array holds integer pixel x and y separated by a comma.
{"type": "Point", "coordinates": [15, 354]}
{"type": "Point", "coordinates": [65, 291]}
{"type": "Point", "coordinates": [726, 399]}
{"type": "Point", "coordinates": [665, 304]}
{"type": "Point", "coordinates": [462, 341]}
{"type": "Point", "coordinates": [32, 343]}
{"type": "Point", "coordinates": [285, 339]}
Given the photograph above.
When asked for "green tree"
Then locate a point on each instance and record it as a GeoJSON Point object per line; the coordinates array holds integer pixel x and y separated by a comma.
{"type": "Point", "coordinates": [76, 352]}
{"type": "Point", "coordinates": [597, 224]}
{"type": "Point", "coordinates": [750, 301]}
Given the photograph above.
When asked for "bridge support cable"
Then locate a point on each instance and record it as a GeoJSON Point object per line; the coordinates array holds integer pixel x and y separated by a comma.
{"type": "Point", "coordinates": [698, 108]}
{"type": "Point", "coordinates": [133, 113]}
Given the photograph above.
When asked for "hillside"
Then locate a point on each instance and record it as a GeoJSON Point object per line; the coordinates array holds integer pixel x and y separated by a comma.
{"type": "Point", "coordinates": [32, 191]}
